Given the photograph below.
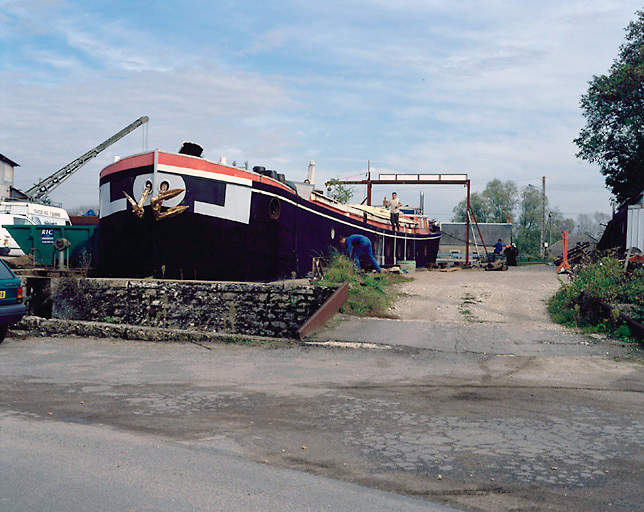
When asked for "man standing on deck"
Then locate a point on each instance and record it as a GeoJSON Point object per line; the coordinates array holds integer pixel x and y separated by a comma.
{"type": "Point", "coordinates": [394, 211]}
{"type": "Point", "coordinates": [359, 244]}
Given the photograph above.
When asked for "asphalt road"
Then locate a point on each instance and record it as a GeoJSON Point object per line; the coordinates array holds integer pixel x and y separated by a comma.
{"type": "Point", "coordinates": [375, 414]}
{"type": "Point", "coordinates": [70, 466]}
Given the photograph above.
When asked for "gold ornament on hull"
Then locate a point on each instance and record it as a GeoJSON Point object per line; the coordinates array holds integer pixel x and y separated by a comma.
{"type": "Point", "coordinates": [156, 203]}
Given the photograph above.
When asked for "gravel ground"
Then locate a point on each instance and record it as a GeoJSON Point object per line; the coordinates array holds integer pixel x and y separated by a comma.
{"type": "Point", "coordinates": [518, 295]}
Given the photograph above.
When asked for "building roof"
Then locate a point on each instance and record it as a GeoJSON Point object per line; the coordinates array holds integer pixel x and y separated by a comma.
{"type": "Point", "coordinates": [556, 249]}
{"type": "Point", "coordinates": [634, 199]}
{"type": "Point", "coordinates": [8, 161]}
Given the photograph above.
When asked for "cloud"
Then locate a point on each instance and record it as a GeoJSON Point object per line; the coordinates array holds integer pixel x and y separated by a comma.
{"type": "Point", "coordinates": [491, 89]}
{"type": "Point", "coordinates": [100, 49]}
{"type": "Point", "coordinates": [57, 34]}
{"type": "Point", "coordinates": [268, 41]}
{"type": "Point", "coordinates": [55, 60]}
{"type": "Point", "coordinates": [54, 124]}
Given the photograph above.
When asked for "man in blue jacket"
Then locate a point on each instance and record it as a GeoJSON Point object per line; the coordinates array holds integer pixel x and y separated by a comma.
{"type": "Point", "coordinates": [498, 249]}
{"type": "Point", "coordinates": [359, 244]}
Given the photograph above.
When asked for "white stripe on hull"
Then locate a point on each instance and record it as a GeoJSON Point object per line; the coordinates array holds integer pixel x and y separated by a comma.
{"type": "Point", "coordinates": [236, 205]}
{"type": "Point", "coordinates": [205, 174]}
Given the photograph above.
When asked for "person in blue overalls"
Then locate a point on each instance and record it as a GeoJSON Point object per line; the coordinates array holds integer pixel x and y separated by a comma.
{"type": "Point", "coordinates": [498, 249]}
{"type": "Point", "coordinates": [356, 245]}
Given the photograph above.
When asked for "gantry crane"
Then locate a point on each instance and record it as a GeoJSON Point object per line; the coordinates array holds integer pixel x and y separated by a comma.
{"type": "Point", "coordinates": [44, 187]}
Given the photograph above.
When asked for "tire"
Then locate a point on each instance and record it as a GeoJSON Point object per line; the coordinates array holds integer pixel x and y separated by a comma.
{"type": "Point", "coordinates": [3, 332]}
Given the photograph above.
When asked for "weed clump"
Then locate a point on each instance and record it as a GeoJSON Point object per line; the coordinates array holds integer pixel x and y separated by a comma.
{"type": "Point", "coordinates": [370, 294]}
{"type": "Point", "coordinates": [575, 304]}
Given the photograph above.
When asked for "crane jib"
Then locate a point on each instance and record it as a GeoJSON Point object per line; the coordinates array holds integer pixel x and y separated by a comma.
{"type": "Point", "coordinates": [44, 187]}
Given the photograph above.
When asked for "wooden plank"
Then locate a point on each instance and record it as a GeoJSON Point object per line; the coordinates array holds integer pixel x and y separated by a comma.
{"type": "Point", "coordinates": [330, 307]}
{"type": "Point", "coordinates": [637, 329]}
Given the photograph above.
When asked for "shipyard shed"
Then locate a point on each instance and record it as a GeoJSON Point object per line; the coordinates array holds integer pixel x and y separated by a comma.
{"type": "Point", "coordinates": [453, 236]}
{"type": "Point", "coordinates": [626, 228]}
{"type": "Point", "coordinates": [7, 167]}
{"type": "Point", "coordinates": [635, 226]}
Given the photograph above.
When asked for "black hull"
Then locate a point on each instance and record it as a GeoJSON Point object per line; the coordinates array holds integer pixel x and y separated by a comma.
{"type": "Point", "coordinates": [282, 235]}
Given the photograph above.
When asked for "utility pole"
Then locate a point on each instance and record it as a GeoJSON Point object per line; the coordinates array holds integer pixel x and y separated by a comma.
{"type": "Point", "coordinates": [542, 250]}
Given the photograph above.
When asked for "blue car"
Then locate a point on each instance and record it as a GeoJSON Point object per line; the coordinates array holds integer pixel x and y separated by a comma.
{"type": "Point", "coordinates": [11, 307]}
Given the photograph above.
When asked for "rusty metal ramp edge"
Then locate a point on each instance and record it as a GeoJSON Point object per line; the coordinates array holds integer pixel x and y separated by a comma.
{"type": "Point", "coordinates": [330, 307]}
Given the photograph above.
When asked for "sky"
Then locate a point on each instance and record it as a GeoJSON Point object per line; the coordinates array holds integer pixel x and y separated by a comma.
{"type": "Point", "coordinates": [490, 89]}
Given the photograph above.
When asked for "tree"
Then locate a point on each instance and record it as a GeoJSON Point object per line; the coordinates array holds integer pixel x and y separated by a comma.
{"type": "Point", "coordinates": [592, 225]}
{"type": "Point", "coordinates": [494, 204]}
{"type": "Point", "coordinates": [584, 224]}
{"type": "Point", "coordinates": [529, 229]}
{"type": "Point", "coordinates": [613, 107]}
{"type": "Point", "coordinates": [601, 220]}
{"type": "Point", "coordinates": [479, 206]}
{"type": "Point", "coordinates": [501, 198]}
{"type": "Point", "coordinates": [558, 224]}
{"type": "Point", "coordinates": [338, 191]}
{"type": "Point", "coordinates": [555, 224]}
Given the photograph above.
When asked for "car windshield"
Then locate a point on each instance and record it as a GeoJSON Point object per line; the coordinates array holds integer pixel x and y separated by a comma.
{"type": "Point", "coordinates": [5, 273]}
{"type": "Point", "coordinates": [21, 221]}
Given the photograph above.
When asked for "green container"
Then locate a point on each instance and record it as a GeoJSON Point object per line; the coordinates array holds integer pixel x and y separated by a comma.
{"type": "Point", "coordinates": [408, 265]}
{"type": "Point", "coordinates": [39, 241]}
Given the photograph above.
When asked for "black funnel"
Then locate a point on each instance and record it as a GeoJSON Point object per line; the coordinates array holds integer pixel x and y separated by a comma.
{"type": "Point", "coordinates": [190, 148]}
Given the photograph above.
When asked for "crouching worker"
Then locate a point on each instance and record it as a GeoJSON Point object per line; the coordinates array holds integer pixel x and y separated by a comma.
{"type": "Point", "coordinates": [356, 245]}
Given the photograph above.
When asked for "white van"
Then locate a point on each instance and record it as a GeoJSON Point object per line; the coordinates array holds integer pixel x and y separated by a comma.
{"type": "Point", "coordinates": [24, 213]}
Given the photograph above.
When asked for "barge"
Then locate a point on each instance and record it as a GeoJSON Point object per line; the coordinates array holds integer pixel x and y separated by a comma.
{"type": "Point", "coordinates": [180, 216]}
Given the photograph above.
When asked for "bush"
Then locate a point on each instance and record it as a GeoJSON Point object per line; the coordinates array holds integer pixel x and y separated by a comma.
{"type": "Point", "coordinates": [369, 294]}
{"type": "Point", "coordinates": [632, 292]}
{"type": "Point", "coordinates": [575, 302]}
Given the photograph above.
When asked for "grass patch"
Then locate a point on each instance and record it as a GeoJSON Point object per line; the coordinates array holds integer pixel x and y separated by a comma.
{"type": "Point", "coordinates": [573, 304]}
{"type": "Point", "coordinates": [469, 299]}
{"type": "Point", "coordinates": [370, 294]}
{"type": "Point", "coordinates": [469, 315]}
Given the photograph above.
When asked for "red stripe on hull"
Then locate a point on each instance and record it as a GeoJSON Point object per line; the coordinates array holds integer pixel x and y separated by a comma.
{"type": "Point", "coordinates": [199, 164]}
{"type": "Point", "coordinates": [130, 162]}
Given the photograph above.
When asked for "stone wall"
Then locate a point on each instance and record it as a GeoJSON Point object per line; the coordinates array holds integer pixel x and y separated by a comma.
{"type": "Point", "coordinates": [272, 309]}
